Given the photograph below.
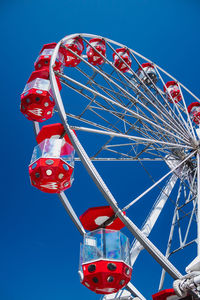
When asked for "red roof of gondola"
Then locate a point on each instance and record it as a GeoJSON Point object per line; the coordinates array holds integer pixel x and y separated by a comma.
{"type": "Point", "coordinates": [95, 216]}
{"type": "Point", "coordinates": [48, 131]}
{"type": "Point", "coordinates": [48, 46]}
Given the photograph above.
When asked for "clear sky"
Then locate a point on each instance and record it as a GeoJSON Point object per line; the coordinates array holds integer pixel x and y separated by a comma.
{"type": "Point", "coordinates": [39, 250]}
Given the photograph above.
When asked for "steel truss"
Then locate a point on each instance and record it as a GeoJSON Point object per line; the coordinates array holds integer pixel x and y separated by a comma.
{"type": "Point", "coordinates": [134, 122]}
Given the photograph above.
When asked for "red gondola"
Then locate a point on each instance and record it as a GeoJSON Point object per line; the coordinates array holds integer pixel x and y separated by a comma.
{"type": "Point", "coordinates": [105, 253]}
{"type": "Point", "coordinates": [52, 163]}
{"type": "Point", "coordinates": [37, 101]}
{"type": "Point", "coordinates": [194, 111]}
{"type": "Point", "coordinates": [76, 45]}
{"type": "Point", "coordinates": [172, 91]}
{"type": "Point", "coordinates": [44, 58]}
{"type": "Point", "coordinates": [147, 73]}
{"type": "Point", "coordinates": [93, 57]}
{"type": "Point", "coordinates": [169, 294]}
{"type": "Point", "coordinates": [123, 53]}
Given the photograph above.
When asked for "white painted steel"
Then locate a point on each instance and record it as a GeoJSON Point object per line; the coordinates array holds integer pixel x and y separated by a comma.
{"type": "Point", "coordinates": [125, 294]}
{"type": "Point", "coordinates": [153, 216]}
{"type": "Point", "coordinates": [101, 185]}
{"type": "Point", "coordinates": [156, 183]}
{"type": "Point", "coordinates": [165, 130]}
{"type": "Point", "coordinates": [131, 137]}
{"type": "Point", "coordinates": [120, 106]}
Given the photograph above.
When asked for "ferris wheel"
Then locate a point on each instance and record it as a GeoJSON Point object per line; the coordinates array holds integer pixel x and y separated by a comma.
{"type": "Point", "coordinates": [131, 111]}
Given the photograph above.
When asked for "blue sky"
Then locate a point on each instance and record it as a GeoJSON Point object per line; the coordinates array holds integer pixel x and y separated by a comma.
{"type": "Point", "coordinates": [39, 249]}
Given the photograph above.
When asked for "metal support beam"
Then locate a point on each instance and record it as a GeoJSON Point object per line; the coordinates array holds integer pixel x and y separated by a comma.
{"type": "Point", "coordinates": [129, 293]}
{"type": "Point", "coordinates": [36, 128]}
{"type": "Point", "coordinates": [132, 289]}
{"type": "Point", "coordinates": [147, 244]}
{"type": "Point", "coordinates": [153, 216]}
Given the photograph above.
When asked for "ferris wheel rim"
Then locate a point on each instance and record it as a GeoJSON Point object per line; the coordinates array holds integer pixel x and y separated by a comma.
{"type": "Point", "coordinates": [67, 37]}
{"type": "Point", "coordinates": [53, 60]}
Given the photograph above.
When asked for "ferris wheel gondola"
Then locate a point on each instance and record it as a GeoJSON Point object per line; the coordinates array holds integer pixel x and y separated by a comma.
{"type": "Point", "coordinates": [139, 113]}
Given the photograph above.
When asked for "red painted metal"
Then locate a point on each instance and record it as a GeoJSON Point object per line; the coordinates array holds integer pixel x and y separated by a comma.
{"type": "Point", "coordinates": [76, 45]}
{"type": "Point", "coordinates": [93, 57]}
{"type": "Point", "coordinates": [95, 216]}
{"type": "Point", "coordinates": [169, 294]}
{"type": "Point", "coordinates": [125, 55]}
{"type": "Point", "coordinates": [37, 101]}
{"type": "Point", "coordinates": [145, 65]}
{"type": "Point", "coordinates": [50, 175]}
{"type": "Point", "coordinates": [43, 60]}
{"type": "Point", "coordinates": [173, 90]}
{"type": "Point", "coordinates": [53, 130]}
{"type": "Point", "coordinates": [101, 279]}
{"type": "Point", "coordinates": [194, 111]}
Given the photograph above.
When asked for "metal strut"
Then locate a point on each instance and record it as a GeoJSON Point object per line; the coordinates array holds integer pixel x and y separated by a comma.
{"type": "Point", "coordinates": [146, 243]}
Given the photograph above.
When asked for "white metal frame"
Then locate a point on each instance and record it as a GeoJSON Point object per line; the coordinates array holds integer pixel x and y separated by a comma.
{"type": "Point", "coordinates": [164, 129]}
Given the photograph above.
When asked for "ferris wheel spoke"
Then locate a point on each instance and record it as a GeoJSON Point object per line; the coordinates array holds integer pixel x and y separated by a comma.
{"type": "Point", "coordinates": [121, 116]}
{"type": "Point", "coordinates": [119, 80]}
{"type": "Point", "coordinates": [149, 132]}
{"type": "Point", "coordinates": [131, 137]}
{"type": "Point", "coordinates": [122, 107]}
{"type": "Point", "coordinates": [176, 119]}
{"type": "Point", "coordinates": [153, 216]}
{"type": "Point", "coordinates": [166, 73]}
{"type": "Point", "coordinates": [120, 88]}
{"type": "Point", "coordinates": [105, 120]}
{"type": "Point", "coordinates": [171, 122]}
{"type": "Point", "coordinates": [92, 100]}
{"type": "Point", "coordinates": [96, 125]}
{"type": "Point", "coordinates": [122, 159]}
{"type": "Point", "coordinates": [178, 110]}
{"type": "Point", "coordinates": [176, 222]}
{"type": "Point", "coordinates": [156, 183]}
{"type": "Point", "coordinates": [89, 107]}
{"type": "Point", "coordinates": [119, 153]}
{"type": "Point", "coordinates": [165, 125]}
{"type": "Point", "coordinates": [186, 111]}
{"type": "Point", "coordinates": [105, 89]}
{"type": "Point", "coordinates": [149, 148]}
{"type": "Point", "coordinates": [183, 86]}
{"type": "Point", "coordinates": [92, 77]}
{"type": "Point", "coordinates": [167, 254]}
{"type": "Point", "coordinates": [107, 146]}
{"type": "Point", "coordinates": [189, 225]}
{"type": "Point", "coordinates": [146, 87]}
